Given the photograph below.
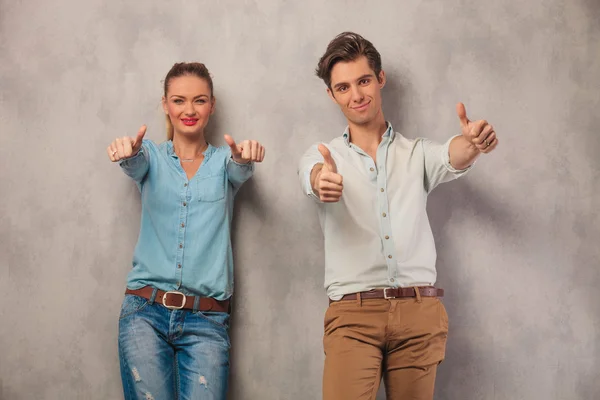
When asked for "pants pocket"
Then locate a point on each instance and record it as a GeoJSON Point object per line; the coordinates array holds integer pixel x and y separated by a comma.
{"type": "Point", "coordinates": [131, 305]}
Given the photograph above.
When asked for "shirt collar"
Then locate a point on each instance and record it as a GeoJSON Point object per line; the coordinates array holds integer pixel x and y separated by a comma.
{"type": "Point", "coordinates": [207, 153]}
{"type": "Point", "coordinates": [387, 134]}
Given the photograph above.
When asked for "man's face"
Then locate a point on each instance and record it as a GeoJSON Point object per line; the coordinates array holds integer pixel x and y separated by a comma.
{"type": "Point", "coordinates": [356, 89]}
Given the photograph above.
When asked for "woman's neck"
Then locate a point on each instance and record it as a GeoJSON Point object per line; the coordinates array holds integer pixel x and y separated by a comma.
{"type": "Point", "coordinates": [189, 147]}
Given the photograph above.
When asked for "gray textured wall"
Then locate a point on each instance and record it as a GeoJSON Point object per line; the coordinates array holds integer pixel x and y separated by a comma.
{"type": "Point", "coordinates": [517, 239]}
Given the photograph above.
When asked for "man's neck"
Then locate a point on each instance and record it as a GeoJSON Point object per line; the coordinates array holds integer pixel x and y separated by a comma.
{"type": "Point", "coordinates": [368, 136]}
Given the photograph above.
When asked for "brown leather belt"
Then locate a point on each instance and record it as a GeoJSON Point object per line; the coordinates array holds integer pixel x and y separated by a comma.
{"type": "Point", "coordinates": [176, 300]}
{"type": "Point", "coordinates": [394, 293]}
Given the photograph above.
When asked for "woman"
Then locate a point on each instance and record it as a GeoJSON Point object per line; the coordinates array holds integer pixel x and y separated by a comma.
{"type": "Point", "coordinates": [173, 328]}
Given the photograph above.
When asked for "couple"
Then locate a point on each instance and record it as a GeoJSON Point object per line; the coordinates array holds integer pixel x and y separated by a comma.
{"type": "Point", "coordinates": [371, 185]}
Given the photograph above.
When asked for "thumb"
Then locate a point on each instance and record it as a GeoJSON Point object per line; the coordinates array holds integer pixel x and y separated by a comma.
{"type": "Point", "coordinates": [231, 143]}
{"type": "Point", "coordinates": [327, 159]}
{"type": "Point", "coordinates": [140, 136]}
{"type": "Point", "coordinates": [462, 115]}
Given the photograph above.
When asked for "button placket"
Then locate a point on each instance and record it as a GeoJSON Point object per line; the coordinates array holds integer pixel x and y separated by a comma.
{"type": "Point", "coordinates": [385, 222]}
{"type": "Point", "coordinates": [185, 204]}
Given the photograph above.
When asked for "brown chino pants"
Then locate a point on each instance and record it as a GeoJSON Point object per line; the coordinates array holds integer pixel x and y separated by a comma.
{"type": "Point", "coordinates": [402, 339]}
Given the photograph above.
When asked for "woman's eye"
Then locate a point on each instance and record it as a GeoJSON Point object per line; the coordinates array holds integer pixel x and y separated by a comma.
{"type": "Point", "coordinates": [177, 101]}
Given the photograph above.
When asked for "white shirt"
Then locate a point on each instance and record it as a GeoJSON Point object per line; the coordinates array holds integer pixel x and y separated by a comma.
{"type": "Point", "coordinates": [378, 234]}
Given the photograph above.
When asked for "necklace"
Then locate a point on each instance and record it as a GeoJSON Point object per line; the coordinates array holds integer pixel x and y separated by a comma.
{"type": "Point", "coordinates": [195, 157]}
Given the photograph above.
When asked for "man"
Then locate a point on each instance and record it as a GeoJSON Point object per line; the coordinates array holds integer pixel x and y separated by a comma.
{"type": "Point", "coordinates": [371, 184]}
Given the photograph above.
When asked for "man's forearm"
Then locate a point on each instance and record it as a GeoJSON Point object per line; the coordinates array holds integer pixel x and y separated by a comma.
{"type": "Point", "coordinates": [462, 153]}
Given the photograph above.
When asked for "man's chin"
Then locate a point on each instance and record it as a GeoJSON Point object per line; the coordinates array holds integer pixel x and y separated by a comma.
{"type": "Point", "coordinates": [361, 121]}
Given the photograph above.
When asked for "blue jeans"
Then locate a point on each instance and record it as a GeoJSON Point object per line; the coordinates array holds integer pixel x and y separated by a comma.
{"type": "Point", "coordinates": [172, 354]}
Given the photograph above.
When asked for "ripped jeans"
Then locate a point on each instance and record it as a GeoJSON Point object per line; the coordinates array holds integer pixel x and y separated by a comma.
{"type": "Point", "coordinates": [172, 354]}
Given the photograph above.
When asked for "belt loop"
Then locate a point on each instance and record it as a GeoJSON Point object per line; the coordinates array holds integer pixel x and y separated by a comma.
{"type": "Point", "coordinates": [153, 296]}
{"type": "Point", "coordinates": [358, 299]}
{"type": "Point", "coordinates": [418, 294]}
{"type": "Point", "coordinates": [196, 304]}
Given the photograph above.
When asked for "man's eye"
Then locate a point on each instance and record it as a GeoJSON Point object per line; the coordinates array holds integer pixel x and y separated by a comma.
{"type": "Point", "coordinates": [364, 81]}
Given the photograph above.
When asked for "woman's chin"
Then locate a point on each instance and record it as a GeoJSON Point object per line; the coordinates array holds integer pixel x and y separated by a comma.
{"type": "Point", "coordinates": [190, 131]}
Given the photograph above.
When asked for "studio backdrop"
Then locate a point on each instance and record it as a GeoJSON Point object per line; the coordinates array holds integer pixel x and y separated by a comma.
{"type": "Point", "coordinates": [517, 238]}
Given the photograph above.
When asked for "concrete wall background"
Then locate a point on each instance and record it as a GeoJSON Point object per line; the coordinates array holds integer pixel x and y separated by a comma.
{"type": "Point", "coordinates": [517, 239]}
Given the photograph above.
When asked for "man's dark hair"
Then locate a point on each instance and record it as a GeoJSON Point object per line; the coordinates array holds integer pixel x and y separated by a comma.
{"type": "Point", "coordinates": [347, 46]}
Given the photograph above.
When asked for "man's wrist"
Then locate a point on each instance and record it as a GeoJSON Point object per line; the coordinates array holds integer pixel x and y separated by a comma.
{"type": "Point", "coordinates": [314, 176]}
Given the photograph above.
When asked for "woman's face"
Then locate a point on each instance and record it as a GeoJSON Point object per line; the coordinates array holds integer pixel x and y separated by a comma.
{"type": "Point", "coordinates": [189, 104]}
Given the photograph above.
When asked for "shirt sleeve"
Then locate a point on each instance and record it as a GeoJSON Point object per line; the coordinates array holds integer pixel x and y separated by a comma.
{"type": "Point", "coordinates": [136, 167]}
{"type": "Point", "coordinates": [305, 167]}
{"type": "Point", "coordinates": [437, 164]}
{"type": "Point", "coordinates": [238, 173]}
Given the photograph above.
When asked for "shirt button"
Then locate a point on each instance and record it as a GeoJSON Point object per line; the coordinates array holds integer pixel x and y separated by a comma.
{"type": "Point", "coordinates": [390, 256]}
{"type": "Point", "coordinates": [384, 214]}
{"type": "Point", "coordinates": [387, 237]}
{"type": "Point", "coordinates": [372, 169]}
{"type": "Point", "coordinates": [185, 185]}
{"type": "Point", "coordinates": [180, 246]}
{"type": "Point", "coordinates": [178, 265]}
{"type": "Point", "coordinates": [381, 189]}
{"type": "Point", "coordinates": [182, 225]}
{"type": "Point", "coordinates": [178, 283]}
{"type": "Point", "coordinates": [391, 279]}
{"type": "Point", "coordinates": [184, 204]}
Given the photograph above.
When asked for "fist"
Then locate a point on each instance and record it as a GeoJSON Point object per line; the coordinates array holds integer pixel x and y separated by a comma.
{"type": "Point", "coordinates": [328, 183]}
{"type": "Point", "coordinates": [126, 147]}
{"type": "Point", "coordinates": [479, 133]}
{"type": "Point", "coordinates": [246, 151]}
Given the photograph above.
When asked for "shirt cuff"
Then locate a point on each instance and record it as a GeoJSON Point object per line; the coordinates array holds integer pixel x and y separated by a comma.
{"type": "Point", "coordinates": [249, 165]}
{"type": "Point", "coordinates": [307, 186]}
{"type": "Point", "coordinates": [131, 162]}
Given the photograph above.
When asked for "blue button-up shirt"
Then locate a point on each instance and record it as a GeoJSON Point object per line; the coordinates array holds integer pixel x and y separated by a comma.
{"type": "Point", "coordinates": [184, 242]}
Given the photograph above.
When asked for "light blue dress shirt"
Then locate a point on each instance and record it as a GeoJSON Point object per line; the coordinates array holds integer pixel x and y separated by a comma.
{"type": "Point", "coordinates": [378, 234]}
{"type": "Point", "coordinates": [184, 242]}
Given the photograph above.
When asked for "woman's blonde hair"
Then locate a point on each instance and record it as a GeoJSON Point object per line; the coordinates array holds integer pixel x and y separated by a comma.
{"type": "Point", "coordinates": [183, 69]}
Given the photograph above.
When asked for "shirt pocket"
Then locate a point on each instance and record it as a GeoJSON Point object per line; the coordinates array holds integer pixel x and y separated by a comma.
{"type": "Point", "coordinates": [211, 188]}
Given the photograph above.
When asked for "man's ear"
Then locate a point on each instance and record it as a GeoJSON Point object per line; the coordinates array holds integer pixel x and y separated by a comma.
{"type": "Point", "coordinates": [381, 78]}
{"type": "Point", "coordinates": [331, 95]}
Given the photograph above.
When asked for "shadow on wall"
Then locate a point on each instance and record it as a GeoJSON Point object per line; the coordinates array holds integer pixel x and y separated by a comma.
{"type": "Point", "coordinates": [248, 196]}
{"type": "Point", "coordinates": [461, 350]}
{"type": "Point", "coordinates": [395, 96]}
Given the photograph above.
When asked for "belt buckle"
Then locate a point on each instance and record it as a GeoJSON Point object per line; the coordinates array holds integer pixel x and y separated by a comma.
{"type": "Point", "coordinates": [164, 300]}
{"type": "Point", "coordinates": [385, 296]}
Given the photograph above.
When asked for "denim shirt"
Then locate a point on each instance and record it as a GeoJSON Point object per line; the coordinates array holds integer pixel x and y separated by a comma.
{"type": "Point", "coordinates": [184, 242]}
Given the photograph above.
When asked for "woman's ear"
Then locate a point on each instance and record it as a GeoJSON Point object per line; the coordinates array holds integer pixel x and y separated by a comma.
{"type": "Point", "coordinates": [164, 105]}
{"type": "Point", "coordinates": [213, 102]}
